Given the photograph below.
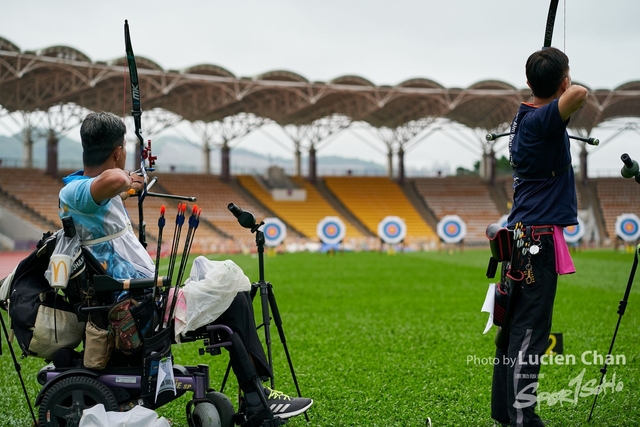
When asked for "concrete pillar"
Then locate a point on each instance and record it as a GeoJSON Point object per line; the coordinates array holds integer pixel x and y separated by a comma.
{"type": "Point", "coordinates": [312, 164]}
{"type": "Point", "coordinates": [52, 154]}
{"type": "Point", "coordinates": [401, 166]}
{"type": "Point", "coordinates": [298, 162]}
{"type": "Point", "coordinates": [225, 158]}
{"type": "Point", "coordinates": [27, 152]}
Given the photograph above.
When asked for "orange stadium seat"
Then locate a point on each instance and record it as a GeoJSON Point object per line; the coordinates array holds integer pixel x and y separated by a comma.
{"type": "Point", "coordinates": [370, 199]}
{"type": "Point", "coordinates": [302, 215]}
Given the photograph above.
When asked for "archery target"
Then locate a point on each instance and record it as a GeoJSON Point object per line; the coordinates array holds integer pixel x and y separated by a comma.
{"type": "Point", "coordinates": [392, 230]}
{"type": "Point", "coordinates": [574, 233]}
{"type": "Point", "coordinates": [628, 227]}
{"type": "Point", "coordinates": [275, 231]}
{"type": "Point", "coordinates": [331, 230]}
{"type": "Point", "coordinates": [452, 229]}
{"type": "Point", "coordinates": [503, 221]}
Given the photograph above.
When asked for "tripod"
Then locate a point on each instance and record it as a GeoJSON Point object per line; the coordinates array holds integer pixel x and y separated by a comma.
{"type": "Point", "coordinates": [267, 298]}
{"type": "Point", "coordinates": [629, 170]}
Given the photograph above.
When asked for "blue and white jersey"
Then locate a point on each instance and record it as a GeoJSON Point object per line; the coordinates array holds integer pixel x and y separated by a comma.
{"type": "Point", "coordinates": [117, 248]}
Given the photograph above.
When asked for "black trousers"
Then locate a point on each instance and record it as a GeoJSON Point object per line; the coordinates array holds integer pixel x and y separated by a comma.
{"type": "Point", "coordinates": [516, 373]}
{"type": "Point", "coordinates": [240, 318]}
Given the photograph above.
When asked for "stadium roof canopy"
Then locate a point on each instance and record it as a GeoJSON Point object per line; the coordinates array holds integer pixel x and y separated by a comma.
{"type": "Point", "coordinates": [55, 75]}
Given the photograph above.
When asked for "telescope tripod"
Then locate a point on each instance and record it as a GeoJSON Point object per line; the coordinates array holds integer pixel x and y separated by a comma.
{"type": "Point", "coordinates": [629, 170]}
{"type": "Point", "coordinates": [268, 304]}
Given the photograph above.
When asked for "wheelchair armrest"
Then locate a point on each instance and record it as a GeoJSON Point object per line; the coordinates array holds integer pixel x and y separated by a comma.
{"type": "Point", "coordinates": [104, 283]}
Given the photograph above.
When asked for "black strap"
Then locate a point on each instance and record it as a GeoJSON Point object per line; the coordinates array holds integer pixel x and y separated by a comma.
{"type": "Point", "coordinates": [545, 174]}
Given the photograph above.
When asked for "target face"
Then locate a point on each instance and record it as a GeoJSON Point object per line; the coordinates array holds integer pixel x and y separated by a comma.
{"type": "Point", "coordinates": [452, 229]}
{"type": "Point", "coordinates": [392, 230]}
{"type": "Point", "coordinates": [573, 233]}
{"type": "Point", "coordinates": [275, 231]}
{"type": "Point", "coordinates": [628, 227]}
{"type": "Point", "coordinates": [331, 230]}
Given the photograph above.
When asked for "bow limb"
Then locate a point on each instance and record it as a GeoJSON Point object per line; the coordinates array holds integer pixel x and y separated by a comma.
{"type": "Point", "coordinates": [551, 20]}
{"type": "Point", "coordinates": [136, 112]}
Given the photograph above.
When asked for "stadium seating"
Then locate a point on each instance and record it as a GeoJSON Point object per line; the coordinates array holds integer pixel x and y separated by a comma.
{"type": "Point", "coordinates": [371, 199]}
{"type": "Point", "coordinates": [468, 197]}
{"type": "Point", "coordinates": [213, 196]}
{"type": "Point", "coordinates": [34, 189]}
{"type": "Point", "coordinates": [302, 215]}
{"type": "Point", "coordinates": [368, 199]}
{"type": "Point", "coordinates": [617, 196]}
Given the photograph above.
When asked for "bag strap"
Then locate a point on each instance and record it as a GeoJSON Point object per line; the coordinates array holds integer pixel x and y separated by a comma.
{"type": "Point", "coordinates": [103, 239]}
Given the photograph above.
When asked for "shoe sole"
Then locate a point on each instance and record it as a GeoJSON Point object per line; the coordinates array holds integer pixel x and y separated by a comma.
{"type": "Point", "coordinates": [294, 413]}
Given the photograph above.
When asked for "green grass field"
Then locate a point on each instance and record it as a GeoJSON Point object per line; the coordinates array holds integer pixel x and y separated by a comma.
{"type": "Point", "coordinates": [379, 340]}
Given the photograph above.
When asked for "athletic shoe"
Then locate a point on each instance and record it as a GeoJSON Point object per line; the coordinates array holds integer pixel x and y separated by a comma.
{"type": "Point", "coordinates": [281, 405]}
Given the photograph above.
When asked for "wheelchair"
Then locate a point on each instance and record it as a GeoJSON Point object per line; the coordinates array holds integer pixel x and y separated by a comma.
{"type": "Point", "coordinates": [138, 376]}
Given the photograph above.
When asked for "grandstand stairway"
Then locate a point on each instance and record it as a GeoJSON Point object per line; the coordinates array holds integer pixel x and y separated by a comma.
{"type": "Point", "coordinates": [302, 215]}
{"type": "Point", "coordinates": [466, 196]}
{"type": "Point", "coordinates": [371, 199]}
{"type": "Point", "coordinates": [222, 231]}
{"type": "Point", "coordinates": [340, 208]}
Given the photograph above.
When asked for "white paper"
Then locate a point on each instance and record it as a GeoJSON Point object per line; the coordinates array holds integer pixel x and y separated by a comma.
{"type": "Point", "coordinates": [487, 306]}
{"type": "Point", "coordinates": [165, 377]}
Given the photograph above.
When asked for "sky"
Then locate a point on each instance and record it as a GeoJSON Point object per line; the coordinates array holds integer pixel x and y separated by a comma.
{"type": "Point", "coordinates": [455, 43]}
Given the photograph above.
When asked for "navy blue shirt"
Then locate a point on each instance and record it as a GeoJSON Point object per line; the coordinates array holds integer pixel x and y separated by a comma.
{"type": "Point", "coordinates": [539, 146]}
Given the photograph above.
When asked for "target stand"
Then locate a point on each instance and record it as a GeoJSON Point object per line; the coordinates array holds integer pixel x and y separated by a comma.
{"type": "Point", "coordinates": [392, 231]}
{"type": "Point", "coordinates": [275, 231]}
{"type": "Point", "coordinates": [627, 231]}
{"type": "Point", "coordinates": [331, 231]}
{"type": "Point", "coordinates": [452, 230]}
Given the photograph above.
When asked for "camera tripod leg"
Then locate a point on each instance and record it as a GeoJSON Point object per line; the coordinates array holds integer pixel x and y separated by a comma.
{"type": "Point", "coordinates": [266, 320]}
{"type": "Point", "coordinates": [621, 309]}
{"type": "Point", "coordinates": [278, 321]}
{"type": "Point", "coordinates": [17, 367]}
{"type": "Point", "coordinates": [270, 307]}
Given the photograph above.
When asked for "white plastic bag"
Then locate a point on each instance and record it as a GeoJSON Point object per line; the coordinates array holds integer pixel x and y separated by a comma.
{"type": "Point", "coordinates": [139, 416]}
{"type": "Point", "coordinates": [64, 255]}
{"type": "Point", "coordinates": [209, 291]}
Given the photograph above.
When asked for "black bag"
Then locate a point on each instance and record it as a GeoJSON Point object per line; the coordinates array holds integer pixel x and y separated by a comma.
{"type": "Point", "coordinates": [500, 241]}
{"type": "Point", "coordinates": [37, 310]}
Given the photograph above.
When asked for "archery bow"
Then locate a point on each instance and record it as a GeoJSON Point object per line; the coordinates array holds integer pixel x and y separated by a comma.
{"type": "Point", "coordinates": [551, 20]}
{"type": "Point", "coordinates": [136, 112]}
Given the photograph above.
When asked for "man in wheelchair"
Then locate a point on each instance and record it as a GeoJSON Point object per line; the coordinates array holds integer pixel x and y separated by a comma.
{"type": "Point", "coordinates": [94, 197]}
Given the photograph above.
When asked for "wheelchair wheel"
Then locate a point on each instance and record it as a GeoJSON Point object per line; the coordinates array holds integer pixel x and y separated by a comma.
{"type": "Point", "coordinates": [63, 403]}
{"type": "Point", "coordinates": [216, 412]}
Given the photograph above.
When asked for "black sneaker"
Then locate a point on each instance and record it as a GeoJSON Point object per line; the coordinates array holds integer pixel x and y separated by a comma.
{"type": "Point", "coordinates": [281, 405]}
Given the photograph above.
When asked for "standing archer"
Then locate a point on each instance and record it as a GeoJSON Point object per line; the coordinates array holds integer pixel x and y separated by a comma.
{"type": "Point", "coordinates": [544, 202]}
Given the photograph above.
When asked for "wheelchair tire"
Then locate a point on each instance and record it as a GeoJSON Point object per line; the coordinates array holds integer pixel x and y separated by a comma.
{"type": "Point", "coordinates": [218, 411]}
{"type": "Point", "coordinates": [63, 403]}
{"type": "Point", "coordinates": [224, 407]}
{"type": "Point", "coordinates": [205, 414]}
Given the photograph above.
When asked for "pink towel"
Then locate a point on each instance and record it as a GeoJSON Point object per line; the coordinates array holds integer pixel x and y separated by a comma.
{"type": "Point", "coordinates": [564, 263]}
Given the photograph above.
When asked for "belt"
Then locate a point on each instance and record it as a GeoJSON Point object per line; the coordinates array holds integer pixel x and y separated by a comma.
{"type": "Point", "coordinates": [538, 230]}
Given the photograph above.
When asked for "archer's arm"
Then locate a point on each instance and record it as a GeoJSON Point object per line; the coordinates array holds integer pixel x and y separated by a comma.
{"type": "Point", "coordinates": [571, 100]}
{"type": "Point", "coordinates": [112, 182]}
